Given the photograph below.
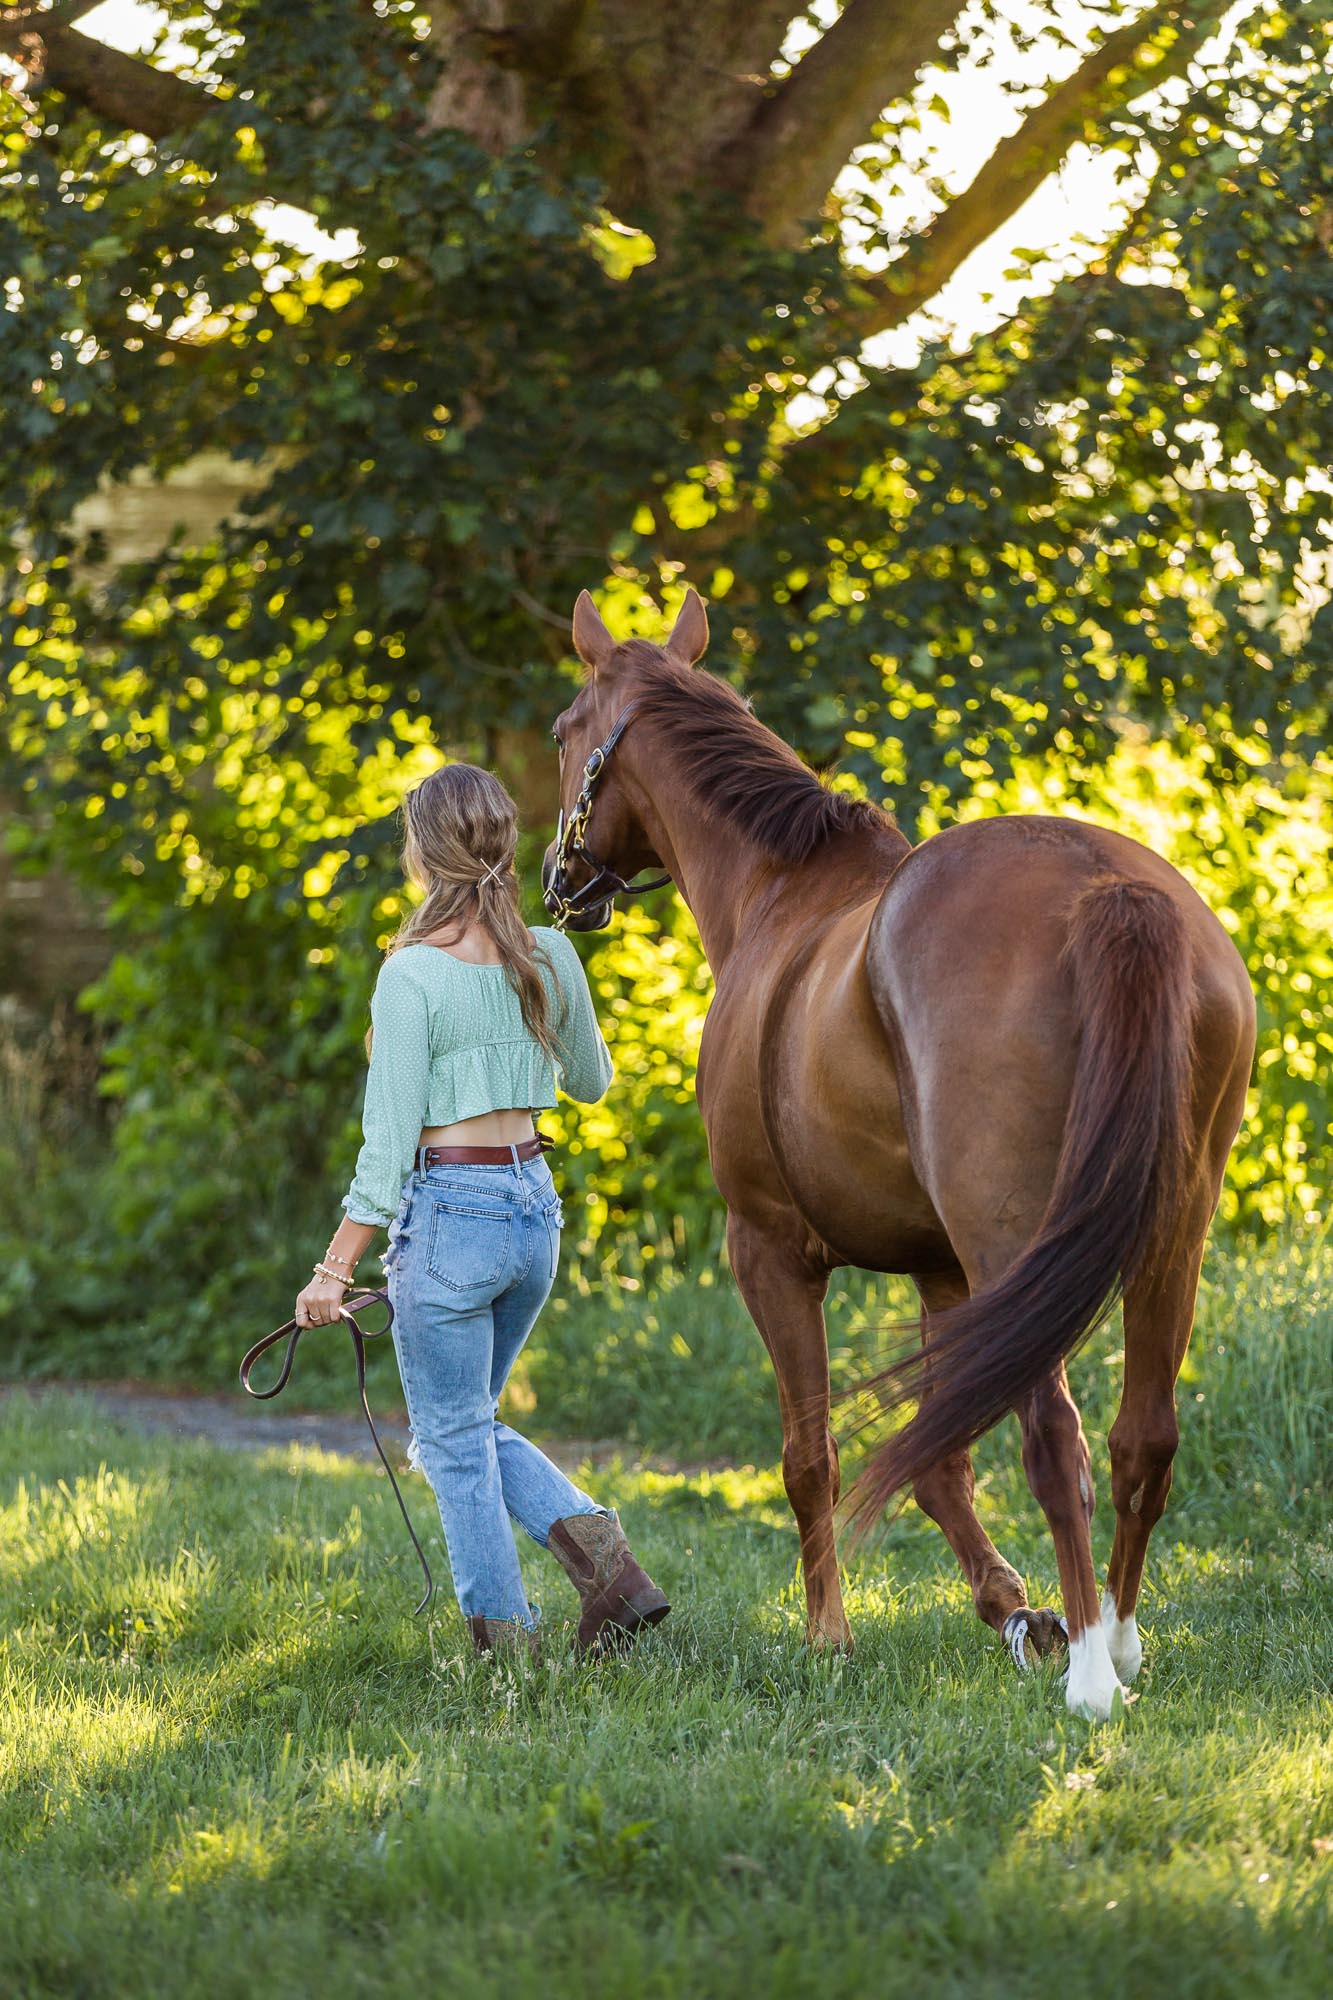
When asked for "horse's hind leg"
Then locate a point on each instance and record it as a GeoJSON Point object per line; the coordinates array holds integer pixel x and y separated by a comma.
{"type": "Point", "coordinates": [1159, 1312]}
{"type": "Point", "coordinates": [945, 1494]}
{"type": "Point", "coordinates": [1055, 1458]}
{"type": "Point", "coordinates": [1159, 1315]}
{"type": "Point", "coordinates": [785, 1296]}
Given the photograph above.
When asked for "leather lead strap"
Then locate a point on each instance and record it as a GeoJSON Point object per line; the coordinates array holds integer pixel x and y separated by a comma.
{"type": "Point", "coordinates": [291, 1333]}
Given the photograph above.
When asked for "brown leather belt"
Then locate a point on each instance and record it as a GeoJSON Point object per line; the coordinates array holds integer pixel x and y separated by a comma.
{"type": "Point", "coordinates": [483, 1156]}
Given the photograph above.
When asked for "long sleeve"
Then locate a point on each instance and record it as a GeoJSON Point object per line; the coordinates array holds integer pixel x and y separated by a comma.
{"type": "Point", "coordinates": [397, 1091]}
{"type": "Point", "coordinates": [586, 1068]}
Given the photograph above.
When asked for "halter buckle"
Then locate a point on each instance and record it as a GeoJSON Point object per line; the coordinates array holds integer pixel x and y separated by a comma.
{"type": "Point", "coordinates": [605, 885]}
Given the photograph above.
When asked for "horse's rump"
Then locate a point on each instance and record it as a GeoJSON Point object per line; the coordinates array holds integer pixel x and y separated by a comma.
{"type": "Point", "coordinates": [1118, 1182]}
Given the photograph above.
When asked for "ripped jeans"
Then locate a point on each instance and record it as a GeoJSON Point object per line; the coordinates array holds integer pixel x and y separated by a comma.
{"type": "Point", "coordinates": [472, 1256]}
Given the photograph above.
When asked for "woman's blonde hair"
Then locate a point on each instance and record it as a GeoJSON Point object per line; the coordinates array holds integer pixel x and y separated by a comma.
{"type": "Point", "coordinates": [460, 835]}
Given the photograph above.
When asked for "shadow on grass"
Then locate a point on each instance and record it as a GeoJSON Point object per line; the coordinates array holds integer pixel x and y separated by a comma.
{"type": "Point", "coordinates": [233, 1758]}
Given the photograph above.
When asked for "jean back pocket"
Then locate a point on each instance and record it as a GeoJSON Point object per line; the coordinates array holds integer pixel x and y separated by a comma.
{"type": "Point", "coordinates": [470, 1241]}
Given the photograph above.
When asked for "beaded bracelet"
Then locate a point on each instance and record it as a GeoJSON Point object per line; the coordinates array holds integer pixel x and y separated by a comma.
{"type": "Point", "coordinates": [323, 1271]}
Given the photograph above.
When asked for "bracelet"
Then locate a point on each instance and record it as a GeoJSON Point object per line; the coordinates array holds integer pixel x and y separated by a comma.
{"type": "Point", "coordinates": [332, 1257]}
{"type": "Point", "coordinates": [323, 1271]}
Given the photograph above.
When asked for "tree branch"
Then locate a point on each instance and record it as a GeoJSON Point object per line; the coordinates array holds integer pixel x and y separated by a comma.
{"type": "Point", "coordinates": [1135, 59]}
{"type": "Point", "coordinates": [60, 15]}
{"type": "Point", "coordinates": [120, 88]}
{"type": "Point", "coordinates": [802, 135]}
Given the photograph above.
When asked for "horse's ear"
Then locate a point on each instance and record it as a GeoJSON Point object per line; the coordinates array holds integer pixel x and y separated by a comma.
{"type": "Point", "coordinates": [689, 634]}
{"type": "Point", "coordinates": [592, 642]}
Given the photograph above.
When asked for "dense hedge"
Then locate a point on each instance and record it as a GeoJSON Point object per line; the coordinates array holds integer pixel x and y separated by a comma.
{"type": "Point", "coordinates": [233, 1061]}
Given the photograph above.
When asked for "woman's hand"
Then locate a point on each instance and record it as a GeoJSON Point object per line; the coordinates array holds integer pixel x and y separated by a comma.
{"type": "Point", "coordinates": [319, 1303]}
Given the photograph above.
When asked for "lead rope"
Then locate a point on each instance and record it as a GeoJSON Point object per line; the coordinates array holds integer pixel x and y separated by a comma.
{"type": "Point", "coordinates": [291, 1333]}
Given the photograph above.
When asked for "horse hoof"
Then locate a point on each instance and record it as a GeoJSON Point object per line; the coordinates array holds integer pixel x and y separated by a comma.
{"type": "Point", "coordinates": [838, 1641]}
{"type": "Point", "coordinates": [1033, 1635]}
{"type": "Point", "coordinates": [1093, 1686]}
{"type": "Point", "coordinates": [1122, 1640]}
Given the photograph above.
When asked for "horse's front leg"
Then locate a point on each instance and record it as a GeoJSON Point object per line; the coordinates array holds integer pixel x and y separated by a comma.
{"type": "Point", "coordinates": [784, 1292]}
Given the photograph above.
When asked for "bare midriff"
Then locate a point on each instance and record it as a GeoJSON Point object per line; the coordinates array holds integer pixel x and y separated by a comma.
{"type": "Point", "coordinates": [488, 1128]}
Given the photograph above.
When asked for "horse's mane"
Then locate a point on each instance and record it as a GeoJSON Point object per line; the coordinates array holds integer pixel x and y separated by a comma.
{"type": "Point", "coordinates": [733, 766]}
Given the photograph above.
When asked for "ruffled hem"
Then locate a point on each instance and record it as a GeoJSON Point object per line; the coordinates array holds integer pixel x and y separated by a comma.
{"type": "Point", "coordinates": [511, 1075]}
{"type": "Point", "coordinates": [496, 1076]}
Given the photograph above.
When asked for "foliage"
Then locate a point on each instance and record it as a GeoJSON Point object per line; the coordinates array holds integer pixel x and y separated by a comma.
{"type": "Point", "coordinates": [640, 1152]}
{"type": "Point", "coordinates": [229, 1755]}
{"type": "Point", "coordinates": [236, 1102]}
{"type": "Point", "coordinates": [971, 579]}
{"type": "Point", "coordinates": [1113, 504]}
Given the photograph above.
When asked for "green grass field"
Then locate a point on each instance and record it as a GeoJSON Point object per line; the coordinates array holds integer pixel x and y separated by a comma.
{"type": "Point", "coordinates": [230, 1762]}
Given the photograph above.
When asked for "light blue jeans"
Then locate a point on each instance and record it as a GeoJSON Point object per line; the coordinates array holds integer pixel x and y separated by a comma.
{"type": "Point", "coordinates": [472, 1256]}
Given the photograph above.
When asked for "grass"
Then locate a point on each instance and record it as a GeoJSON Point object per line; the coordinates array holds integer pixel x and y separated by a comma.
{"type": "Point", "coordinates": [645, 1340]}
{"type": "Point", "coordinates": [230, 1761]}
{"type": "Point", "coordinates": [663, 1354]}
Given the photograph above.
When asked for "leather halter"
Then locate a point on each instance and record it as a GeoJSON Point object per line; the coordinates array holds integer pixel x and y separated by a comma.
{"type": "Point", "coordinates": [570, 842]}
{"type": "Point", "coordinates": [291, 1333]}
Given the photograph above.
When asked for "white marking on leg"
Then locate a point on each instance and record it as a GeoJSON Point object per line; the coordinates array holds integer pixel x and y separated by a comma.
{"type": "Point", "coordinates": [1122, 1640]}
{"type": "Point", "coordinates": [1092, 1685]}
{"type": "Point", "coordinates": [1014, 1634]}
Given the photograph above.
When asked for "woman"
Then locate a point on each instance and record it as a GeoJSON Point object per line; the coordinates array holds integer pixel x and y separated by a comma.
{"type": "Point", "coordinates": [472, 1017]}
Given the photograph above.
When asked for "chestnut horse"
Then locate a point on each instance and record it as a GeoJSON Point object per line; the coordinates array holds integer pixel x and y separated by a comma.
{"type": "Point", "coordinates": [1009, 1062]}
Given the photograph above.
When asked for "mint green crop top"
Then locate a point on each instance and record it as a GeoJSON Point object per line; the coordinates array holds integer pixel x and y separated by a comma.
{"type": "Point", "coordinates": [449, 1042]}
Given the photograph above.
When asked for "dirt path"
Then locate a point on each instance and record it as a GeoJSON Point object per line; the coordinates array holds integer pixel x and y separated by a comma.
{"type": "Point", "coordinates": [250, 1426]}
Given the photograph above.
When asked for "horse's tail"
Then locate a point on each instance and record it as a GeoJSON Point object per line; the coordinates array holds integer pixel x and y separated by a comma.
{"type": "Point", "coordinates": [1118, 1185]}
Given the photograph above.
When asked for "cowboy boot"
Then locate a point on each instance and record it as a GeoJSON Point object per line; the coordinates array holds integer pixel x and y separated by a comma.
{"type": "Point", "coordinates": [493, 1635]}
{"type": "Point", "coordinates": [618, 1596]}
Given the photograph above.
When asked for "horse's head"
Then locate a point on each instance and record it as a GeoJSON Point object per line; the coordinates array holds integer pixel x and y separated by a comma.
{"type": "Point", "coordinates": [601, 841]}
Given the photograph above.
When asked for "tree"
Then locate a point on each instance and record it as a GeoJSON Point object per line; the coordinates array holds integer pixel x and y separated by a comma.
{"type": "Point", "coordinates": [626, 219]}
{"type": "Point", "coordinates": [596, 251]}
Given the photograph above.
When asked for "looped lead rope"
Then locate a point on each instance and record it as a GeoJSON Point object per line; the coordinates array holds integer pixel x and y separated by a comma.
{"type": "Point", "coordinates": [291, 1333]}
